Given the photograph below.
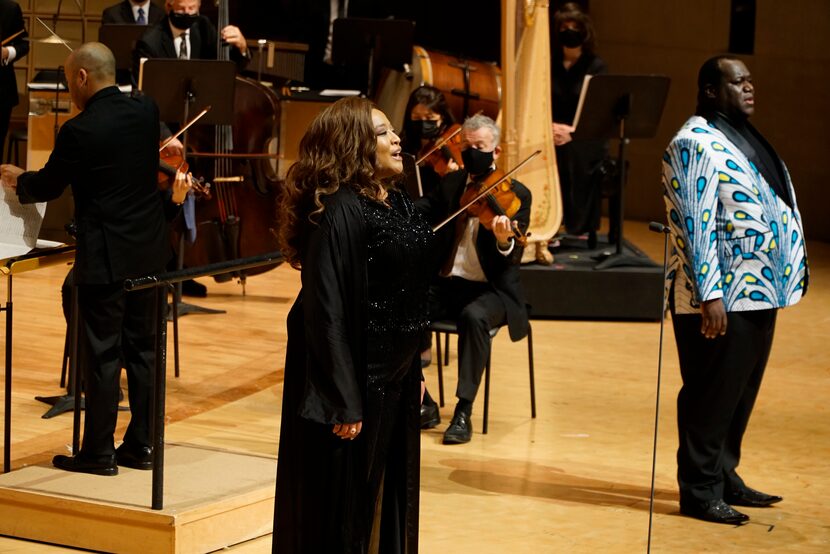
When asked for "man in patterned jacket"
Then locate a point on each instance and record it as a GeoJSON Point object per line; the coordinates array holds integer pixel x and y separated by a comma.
{"type": "Point", "coordinates": [739, 256]}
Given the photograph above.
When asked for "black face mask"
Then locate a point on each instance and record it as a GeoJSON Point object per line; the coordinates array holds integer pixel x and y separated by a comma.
{"type": "Point", "coordinates": [183, 21]}
{"type": "Point", "coordinates": [428, 128]}
{"type": "Point", "coordinates": [476, 162]}
{"type": "Point", "coordinates": [572, 38]}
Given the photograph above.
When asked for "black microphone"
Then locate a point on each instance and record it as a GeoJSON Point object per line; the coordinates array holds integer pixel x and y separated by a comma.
{"type": "Point", "coordinates": [658, 227]}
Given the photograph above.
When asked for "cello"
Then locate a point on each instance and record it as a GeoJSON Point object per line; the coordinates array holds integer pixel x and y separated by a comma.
{"type": "Point", "coordinates": [240, 217]}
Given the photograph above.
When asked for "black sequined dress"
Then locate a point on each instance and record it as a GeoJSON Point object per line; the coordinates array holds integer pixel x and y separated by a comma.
{"type": "Point", "coordinates": [398, 277]}
{"type": "Point", "coordinates": [352, 355]}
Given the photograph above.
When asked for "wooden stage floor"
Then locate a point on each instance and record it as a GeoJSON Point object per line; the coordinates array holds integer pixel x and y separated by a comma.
{"type": "Point", "coordinates": [576, 479]}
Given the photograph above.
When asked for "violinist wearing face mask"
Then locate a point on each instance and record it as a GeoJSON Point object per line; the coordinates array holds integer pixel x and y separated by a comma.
{"type": "Point", "coordinates": [184, 34]}
{"type": "Point", "coordinates": [429, 122]}
{"type": "Point", "coordinates": [480, 254]}
{"type": "Point", "coordinates": [572, 59]}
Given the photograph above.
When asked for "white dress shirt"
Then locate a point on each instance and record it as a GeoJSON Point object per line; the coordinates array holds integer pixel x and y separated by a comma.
{"type": "Point", "coordinates": [144, 6]}
{"type": "Point", "coordinates": [466, 264]}
{"type": "Point", "coordinates": [177, 42]}
{"type": "Point", "coordinates": [12, 55]}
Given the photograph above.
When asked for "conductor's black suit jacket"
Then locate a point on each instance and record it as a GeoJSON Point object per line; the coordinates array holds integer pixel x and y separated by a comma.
{"type": "Point", "coordinates": [109, 155]}
{"type": "Point", "coordinates": [11, 21]}
{"type": "Point", "coordinates": [123, 13]}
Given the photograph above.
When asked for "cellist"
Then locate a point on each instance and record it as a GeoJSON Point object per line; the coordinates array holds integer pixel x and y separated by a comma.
{"type": "Point", "coordinates": [428, 123]}
{"type": "Point", "coordinates": [185, 34]}
{"type": "Point", "coordinates": [478, 284]}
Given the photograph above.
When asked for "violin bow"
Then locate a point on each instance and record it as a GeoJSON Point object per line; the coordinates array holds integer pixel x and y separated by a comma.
{"type": "Point", "coordinates": [54, 34]}
{"type": "Point", "coordinates": [486, 191]}
{"type": "Point", "coordinates": [438, 145]}
{"type": "Point", "coordinates": [11, 38]}
{"type": "Point", "coordinates": [443, 141]}
{"type": "Point", "coordinates": [185, 128]}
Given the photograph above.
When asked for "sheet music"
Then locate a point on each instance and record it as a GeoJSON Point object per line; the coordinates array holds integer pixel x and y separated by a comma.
{"type": "Point", "coordinates": [582, 93]}
{"type": "Point", "coordinates": [19, 224]}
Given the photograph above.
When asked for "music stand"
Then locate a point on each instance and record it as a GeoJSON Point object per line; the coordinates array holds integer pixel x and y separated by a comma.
{"type": "Point", "coordinates": [181, 88]}
{"type": "Point", "coordinates": [385, 42]}
{"type": "Point", "coordinates": [411, 177]}
{"type": "Point", "coordinates": [121, 38]}
{"type": "Point", "coordinates": [622, 107]}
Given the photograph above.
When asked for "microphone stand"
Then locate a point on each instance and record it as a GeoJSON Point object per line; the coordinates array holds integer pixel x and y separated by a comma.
{"type": "Point", "coordinates": [658, 228]}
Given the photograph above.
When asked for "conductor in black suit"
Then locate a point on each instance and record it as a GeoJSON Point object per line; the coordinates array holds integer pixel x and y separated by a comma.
{"type": "Point", "coordinates": [140, 12]}
{"type": "Point", "coordinates": [11, 21]}
{"type": "Point", "coordinates": [108, 154]}
{"type": "Point", "coordinates": [184, 34]}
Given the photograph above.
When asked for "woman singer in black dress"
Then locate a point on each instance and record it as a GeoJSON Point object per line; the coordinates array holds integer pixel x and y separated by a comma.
{"type": "Point", "coordinates": [349, 451]}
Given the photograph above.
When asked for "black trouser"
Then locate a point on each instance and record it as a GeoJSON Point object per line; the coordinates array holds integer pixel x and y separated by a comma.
{"type": "Point", "coordinates": [5, 117]}
{"type": "Point", "coordinates": [115, 322]}
{"type": "Point", "coordinates": [721, 378]}
{"type": "Point", "coordinates": [477, 308]}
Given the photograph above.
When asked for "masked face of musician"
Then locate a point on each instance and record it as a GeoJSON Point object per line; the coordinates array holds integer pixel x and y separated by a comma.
{"type": "Point", "coordinates": [428, 121]}
{"type": "Point", "coordinates": [571, 35]}
{"type": "Point", "coordinates": [183, 13]}
{"type": "Point", "coordinates": [388, 161]}
{"type": "Point", "coordinates": [479, 150]}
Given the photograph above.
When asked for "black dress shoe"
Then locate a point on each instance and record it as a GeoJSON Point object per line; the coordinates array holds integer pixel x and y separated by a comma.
{"type": "Point", "coordinates": [460, 430]}
{"type": "Point", "coordinates": [80, 465]}
{"type": "Point", "coordinates": [716, 511]}
{"type": "Point", "coordinates": [136, 458]}
{"type": "Point", "coordinates": [430, 417]}
{"type": "Point", "coordinates": [750, 498]}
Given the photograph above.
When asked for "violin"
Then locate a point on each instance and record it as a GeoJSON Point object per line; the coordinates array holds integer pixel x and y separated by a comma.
{"type": "Point", "coordinates": [486, 204]}
{"type": "Point", "coordinates": [498, 199]}
{"type": "Point", "coordinates": [169, 164]}
{"type": "Point", "coordinates": [439, 152]}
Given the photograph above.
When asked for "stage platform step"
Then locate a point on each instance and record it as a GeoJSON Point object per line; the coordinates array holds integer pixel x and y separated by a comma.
{"type": "Point", "coordinates": [572, 289]}
{"type": "Point", "coordinates": [213, 499]}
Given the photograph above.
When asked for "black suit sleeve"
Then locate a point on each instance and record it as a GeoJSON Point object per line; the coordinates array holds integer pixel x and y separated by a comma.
{"type": "Point", "coordinates": [64, 163]}
{"type": "Point", "coordinates": [331, 268]}
{"type": "Point", "coordinates": [21, 45]}
{"type": "Point", "coordinates": [108, 16]}
{"type": "Point", "coordinates": [522, 217]}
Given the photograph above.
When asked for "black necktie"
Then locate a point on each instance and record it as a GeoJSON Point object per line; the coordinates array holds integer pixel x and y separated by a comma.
{"type": "Point", "coordinates": [183, 47]}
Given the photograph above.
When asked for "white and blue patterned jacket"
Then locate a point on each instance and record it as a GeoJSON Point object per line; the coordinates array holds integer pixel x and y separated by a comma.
{"type": "Point", "coordinates": [733, 237]}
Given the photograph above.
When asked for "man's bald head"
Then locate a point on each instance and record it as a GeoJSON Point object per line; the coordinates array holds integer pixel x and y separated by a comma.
{"type": "Point", "coordinates": [89, 69]}
{"type": "Point", "coordinates": [96, 58]}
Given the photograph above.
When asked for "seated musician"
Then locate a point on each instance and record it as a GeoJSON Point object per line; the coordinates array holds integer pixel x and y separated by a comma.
{"type": "Point", "coordinates": [139, 12]}
{"type": "Point", "coordinates": [184, 34]}
{"type": "Point", "coordinates": [429, 121]}
{"type": "Point", "coordinates": [479, 283]}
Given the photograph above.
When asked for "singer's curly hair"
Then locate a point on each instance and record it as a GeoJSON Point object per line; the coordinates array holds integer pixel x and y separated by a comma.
{"type": "Point", "coordinates": [338, 149]}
